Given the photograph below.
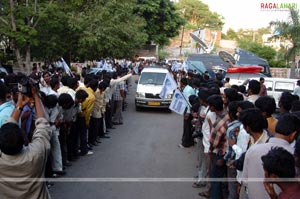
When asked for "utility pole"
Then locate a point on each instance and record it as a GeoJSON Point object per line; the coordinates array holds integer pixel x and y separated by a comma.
{"type": "Point", "coordinates": [181, 43]}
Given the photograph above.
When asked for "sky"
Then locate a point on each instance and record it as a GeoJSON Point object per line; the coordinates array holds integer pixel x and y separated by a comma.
{"type": "Point", "coordinates": [247, 14]}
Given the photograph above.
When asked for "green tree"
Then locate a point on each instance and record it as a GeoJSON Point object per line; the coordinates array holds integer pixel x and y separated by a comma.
{"type": "Point", "coordinates": [290, 30]}
{"type": "Point", "coordinates": [17, 22]}
{"type": "Point", "coordinates": [231, 34]}
{"type": "Point", "coordinates": [84, 29]}
{"type": "Point", "coordinates": [54, 34]}
{"type": "Point", "coordinates": [162, 18]}
{"type": "Point", "coordinates": [108, 28]}
{"type": "Point", "coordinates": [80, 29]}
{"type": "Point", "coordinates": [197, 13]}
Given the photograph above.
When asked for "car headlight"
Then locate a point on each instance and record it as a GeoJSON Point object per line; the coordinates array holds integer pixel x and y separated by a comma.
{"type": "Point", "coordinates": [139, 94]}
{"type": "Point", "coordinates": [169, 96]}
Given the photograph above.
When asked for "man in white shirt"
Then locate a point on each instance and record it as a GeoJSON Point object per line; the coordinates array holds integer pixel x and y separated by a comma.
{"type": "Point", "coordinates": [253, 90]}
{"type": "Point", "coordinates": [286, 130]}
{"type": "Point", "coordinates": [187, 140]}
{"type": "Point", "coordinates": [297, 89]}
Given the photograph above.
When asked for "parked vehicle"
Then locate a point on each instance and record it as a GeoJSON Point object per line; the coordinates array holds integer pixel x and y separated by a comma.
{"type": "Point", "coordinates": [275, 86]}
{"type": "Point", "coordinates": [170, 60]}
{"type": "Point", "coordinates": [241, 78]}
{"type": "Point", "coordinates": [246, 58]}
{"type": "Point", "coordinates": [149, 87]}
{"type": "Point", "coordinates": [206, 62]}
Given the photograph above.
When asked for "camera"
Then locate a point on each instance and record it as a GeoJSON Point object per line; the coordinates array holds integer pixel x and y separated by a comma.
{"type": "Point", "coordinates": [25, 84]}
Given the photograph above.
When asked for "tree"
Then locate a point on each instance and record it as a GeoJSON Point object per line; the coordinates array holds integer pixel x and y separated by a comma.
{"type": "Point", "coordinates": [198, 14]}
{"type": "Point", "coordinates": [17, 22]}
{"type": "Point", "coordinates": [71, 28]}
{"type": "Point", "coordinates": [84, 29]}
{"type": "Point", "coordinates": [231, 34]}
{"type": "Point", "coordinates": [55, 37]}
{"type": "Point", "coordinates": [108, 29]}
{"type": "Point", "coordinates": [290, 30]}
{"type": "Point", "coordinates": [162, 18]}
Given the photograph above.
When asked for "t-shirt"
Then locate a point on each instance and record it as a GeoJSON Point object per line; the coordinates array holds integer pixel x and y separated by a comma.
{"type": "Point", "coordinates": [292, 192]}
{"type": "Point", "coordinates": [29, 164]}
{"type": "Point", "coordinates": [297, 91]}
{"type": "Point", "coordinates": [253, 171]}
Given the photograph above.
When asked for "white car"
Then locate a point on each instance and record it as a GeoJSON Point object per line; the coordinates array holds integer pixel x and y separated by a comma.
{"type": "Point", "coordinates": [149, 87]}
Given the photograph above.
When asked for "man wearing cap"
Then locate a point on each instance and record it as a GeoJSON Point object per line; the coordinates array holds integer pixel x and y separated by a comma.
{"type": "Point", "coordinates": [297, 89]}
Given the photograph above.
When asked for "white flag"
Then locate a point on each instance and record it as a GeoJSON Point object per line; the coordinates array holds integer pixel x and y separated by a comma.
{"type": "Point", "coordinates": [66, 67]}
{"type": "Point", "coordinates": [169, 86]}
{"type": "Point", "coordinates": [105, 66]}
{"type": "Point", "coordinates": [178, 104]}
{"type": "Point", "coordinates": [99, 64]}
{"type": "Point", "coordinates": [184, 66]}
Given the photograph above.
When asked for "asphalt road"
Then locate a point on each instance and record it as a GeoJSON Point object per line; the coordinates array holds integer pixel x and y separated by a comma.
{"type": "Point", "coordinates": [141, 160]}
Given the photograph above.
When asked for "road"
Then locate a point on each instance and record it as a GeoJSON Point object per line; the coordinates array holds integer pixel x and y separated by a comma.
{"type": "Point", "coordinates": [141, 160]}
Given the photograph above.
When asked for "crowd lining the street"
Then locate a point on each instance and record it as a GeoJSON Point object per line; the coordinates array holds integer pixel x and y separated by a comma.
{"type": "Point", "coordinates": [49, 119]}
{"type": "Point", "coordinates": [246, 149]}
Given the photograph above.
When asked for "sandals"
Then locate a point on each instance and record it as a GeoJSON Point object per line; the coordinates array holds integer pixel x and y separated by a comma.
{"type": "Point", "coordinates": [204, 194]}
{"type": "Point", "coordinates": [198, 185]}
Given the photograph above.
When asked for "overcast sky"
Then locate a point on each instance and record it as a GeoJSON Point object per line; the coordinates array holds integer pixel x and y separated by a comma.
{"type": "Point", "coordinates": [248, 13]}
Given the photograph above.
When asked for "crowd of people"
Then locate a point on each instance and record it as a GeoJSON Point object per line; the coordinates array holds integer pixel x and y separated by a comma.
{"type": "Point", "coordinates": [247, 147]}
{"type": "Point", "coordinates": [49, 119]}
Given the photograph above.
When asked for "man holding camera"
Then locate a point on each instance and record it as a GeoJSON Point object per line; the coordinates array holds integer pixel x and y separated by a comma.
{"type": "Point", "coordinates": [22, 168]}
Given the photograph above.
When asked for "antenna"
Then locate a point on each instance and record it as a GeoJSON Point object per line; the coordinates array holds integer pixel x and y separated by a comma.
{"type": "Point", "coordinates": [199, 41]}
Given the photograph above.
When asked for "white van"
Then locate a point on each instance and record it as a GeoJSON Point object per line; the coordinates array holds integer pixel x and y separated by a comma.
{"type": "Point", "coordinates": [149, 87]}
{"type": "Point", "coordinates": [241, 78]}
{"type": "Point", "coordinates": [275, 86]}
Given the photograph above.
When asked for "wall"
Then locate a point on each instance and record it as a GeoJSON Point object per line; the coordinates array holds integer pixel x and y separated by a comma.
{"type": "Point", "coordinates": [284, 72]}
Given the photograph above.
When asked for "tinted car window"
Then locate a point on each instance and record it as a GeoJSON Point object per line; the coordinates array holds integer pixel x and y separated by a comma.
{"type": "Point", "coordinates": [152, 78]}
{"type": "Point", "coordinates": [233, 75]}
{"type": "Point", "coordinates": [284, 86]}
{"type": "Point", "coordinates": [196, 65]}
{"type": "Point", "coordinates": [269, 85]}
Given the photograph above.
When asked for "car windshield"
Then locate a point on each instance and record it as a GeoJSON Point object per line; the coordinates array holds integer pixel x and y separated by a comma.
{"type": "Point", "coordinates": [152, 78]}
{"type": "Point", "coordinates": [196, 65]}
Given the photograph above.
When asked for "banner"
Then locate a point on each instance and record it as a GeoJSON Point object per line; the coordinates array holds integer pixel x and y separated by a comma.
{"type": "Point", "coordinates": [105, 65]}
{"type": "Point", "coordinates": [184, 66]}
{"type": "Point", "coordinates": [168, 87]}
{"type": "Point", "coordinates": [178, 104]}
{"type": "Point", "coordinates": [175, 66]}
{"type": "Point", "coordinates": [66, 67]}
